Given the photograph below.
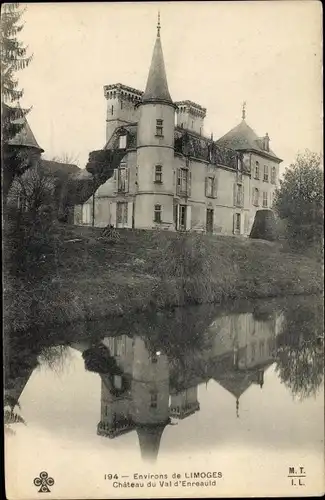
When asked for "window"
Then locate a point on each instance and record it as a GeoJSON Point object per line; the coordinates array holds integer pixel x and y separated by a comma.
{"type": "Point", "coordinates": [266, 174]}
{"type": "Point", "coordinates": [122, 176]}
{"type": "Point", "coordinates": [121, 213]}
{"type": "Point", "coordinates": [237, 223]}
{"type": "Point", "coordinates": [253, 347]}
{"type": "Point", "coordinates": [159, 127]}
{"type": "Point", "coordinates": [158, 174]}
{"type": "Point", "coordinates": [239, 195]}
{"type": "Point", "coordinates": [153, 400]}
{"type": "Point", "coordinates": [209, 187]}
{"type": "Point", "coordinates": [157, 213]}
{"type": "Point", "coordinates": [239, 170]}
{"type": "Point", "coordinates": [117, 381]}
{"type": "Point", "coordinates": [122, 142]}
{"type": "Point", "coordinates": [86, 214]}
{"type": "Point", "coordinates": [112, 110]}
{"type": "Point", "coordinates": [261, 346]}
{"type": "Point", "coordinates": [182, 217]}
{"type": "Point", "coordinates": [264, 199]}
{"type": "Point", "coordinates": [273, 175]}
{"type": "Point", "coordinates": [257, 170]}
{"type": "Point", "coordinates": [154, 358]}
{"type": "Point", "coordinates": [182, 181]}
{"type": "Point", "coordinates": [256, 196]}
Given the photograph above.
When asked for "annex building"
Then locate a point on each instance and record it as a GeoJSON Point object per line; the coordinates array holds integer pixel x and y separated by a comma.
{"type": "Point", "coordinates": [172, 176]}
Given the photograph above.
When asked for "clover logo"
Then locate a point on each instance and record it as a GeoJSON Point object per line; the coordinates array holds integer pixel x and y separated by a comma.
{"type": "Point", "coordinates": [44, 481]}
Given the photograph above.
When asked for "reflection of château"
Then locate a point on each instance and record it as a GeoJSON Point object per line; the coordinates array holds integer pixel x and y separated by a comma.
{"type": "Point", "coordinates": [141, 389]}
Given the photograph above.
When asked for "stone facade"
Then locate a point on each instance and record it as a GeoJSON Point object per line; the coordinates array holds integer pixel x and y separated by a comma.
{"type": "Point", "coordinates": [173, 177]}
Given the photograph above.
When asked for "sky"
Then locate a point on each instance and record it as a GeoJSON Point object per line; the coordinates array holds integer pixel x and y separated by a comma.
{"type": "Point", "coordinates": [218, 54]}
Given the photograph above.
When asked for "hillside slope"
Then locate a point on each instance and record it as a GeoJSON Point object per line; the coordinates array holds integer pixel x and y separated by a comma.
{"type": "Point", "coordinates": [89, 277]}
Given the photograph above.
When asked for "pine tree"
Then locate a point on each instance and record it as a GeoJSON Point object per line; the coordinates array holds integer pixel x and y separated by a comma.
{"type": "Point", "coordinates": [13, 59]}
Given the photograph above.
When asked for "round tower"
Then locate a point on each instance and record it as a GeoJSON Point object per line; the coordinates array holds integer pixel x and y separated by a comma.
{"type": "Point", "coordinates": [155, 148]}
{"type": "Point", "coordinates": [150, 397]}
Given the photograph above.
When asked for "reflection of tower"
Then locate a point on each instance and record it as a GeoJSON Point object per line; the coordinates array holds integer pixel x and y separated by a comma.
{"type": "Point", "coordinates": [150, 398]}
{"type": "Point", "coordinates": [184, 403]}
{"type": "Point", "coordinates": [115, 388]}
{"type": "Point", "coordinates": [115, 407]}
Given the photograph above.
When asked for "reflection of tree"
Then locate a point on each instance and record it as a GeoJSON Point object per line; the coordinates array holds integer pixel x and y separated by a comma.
{"type": "Point", "coordinates": [300, 356]}
{"type": "Point", "coordinates": [10, 416]}
{"type": "Point", "coordinates": [55, 357]}
{"type": "Point", "coordinates": [180, 333]}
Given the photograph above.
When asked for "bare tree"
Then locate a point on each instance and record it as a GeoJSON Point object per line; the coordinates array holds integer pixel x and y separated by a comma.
{"type": "Point", "coordinates": [69, 158]}
{"type": "Point", "coordinates": [33, 190]}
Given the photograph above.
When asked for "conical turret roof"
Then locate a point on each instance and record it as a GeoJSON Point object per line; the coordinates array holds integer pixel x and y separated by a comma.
{"type": "Point", "coordinates": [157, 86]}
{"type": "Point", "coordinates": [25, 136]}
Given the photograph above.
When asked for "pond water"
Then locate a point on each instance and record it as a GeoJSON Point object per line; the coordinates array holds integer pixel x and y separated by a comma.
{"type": "Point", "coordinates": [236, 390]}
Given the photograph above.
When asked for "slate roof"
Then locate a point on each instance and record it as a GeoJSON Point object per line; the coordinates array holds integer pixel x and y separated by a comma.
{"type": "Point", "coordinates": [157, 86]}
{"type": "Point", "coordinates": [187, 143]}
{"type": "Point", "coordinates": [244, 138]}
{"type": "Point", "coordinates": [25, 136]}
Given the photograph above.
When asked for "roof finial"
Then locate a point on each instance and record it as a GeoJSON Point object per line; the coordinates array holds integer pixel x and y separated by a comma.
{"type": "Point", "coordinates": [244, 110]}
{"type": "Point", "coordinates": [158, 24]}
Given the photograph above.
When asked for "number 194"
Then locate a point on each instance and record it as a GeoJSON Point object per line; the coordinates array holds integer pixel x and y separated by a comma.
{"type": "Point", "coordinates": [110, 476]}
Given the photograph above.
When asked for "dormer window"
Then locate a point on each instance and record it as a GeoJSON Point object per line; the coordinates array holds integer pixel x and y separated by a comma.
{"type": "Point", "coordinates": [159, 128]}
{"type": "Point", "coordinates": [122, 142]}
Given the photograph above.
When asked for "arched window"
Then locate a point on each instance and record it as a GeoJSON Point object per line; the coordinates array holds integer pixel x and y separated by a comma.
{"type": "Point", "coordinates": [257, 170]}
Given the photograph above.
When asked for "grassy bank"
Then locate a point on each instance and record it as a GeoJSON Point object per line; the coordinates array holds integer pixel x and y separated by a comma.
{"type": "Point", "coordinates": [81, 276]}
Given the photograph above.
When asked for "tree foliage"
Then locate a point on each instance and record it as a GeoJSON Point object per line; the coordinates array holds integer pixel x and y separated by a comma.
{"type": "Point", "coordinates": [300, 349]}
{"type": "Point", "coordinates": [300, 200]}
{"type": "Point", "coordinates": [13, 59]}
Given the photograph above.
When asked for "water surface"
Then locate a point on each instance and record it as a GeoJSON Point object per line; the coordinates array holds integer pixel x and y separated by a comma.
{"type": "Point", "coordinates": [236, 389]}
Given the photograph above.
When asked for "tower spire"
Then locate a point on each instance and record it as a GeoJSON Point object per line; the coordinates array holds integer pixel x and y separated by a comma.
{"type": "Point", "coordinates": [157, 86]}
{"type": "Point", "coordinates": [158, 25]}
{"type": "Point", "coordinates": [244, 110]}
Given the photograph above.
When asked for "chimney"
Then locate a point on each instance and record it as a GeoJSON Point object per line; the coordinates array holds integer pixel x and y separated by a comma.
{"type": "Point", "coordinates": [266, 142]}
